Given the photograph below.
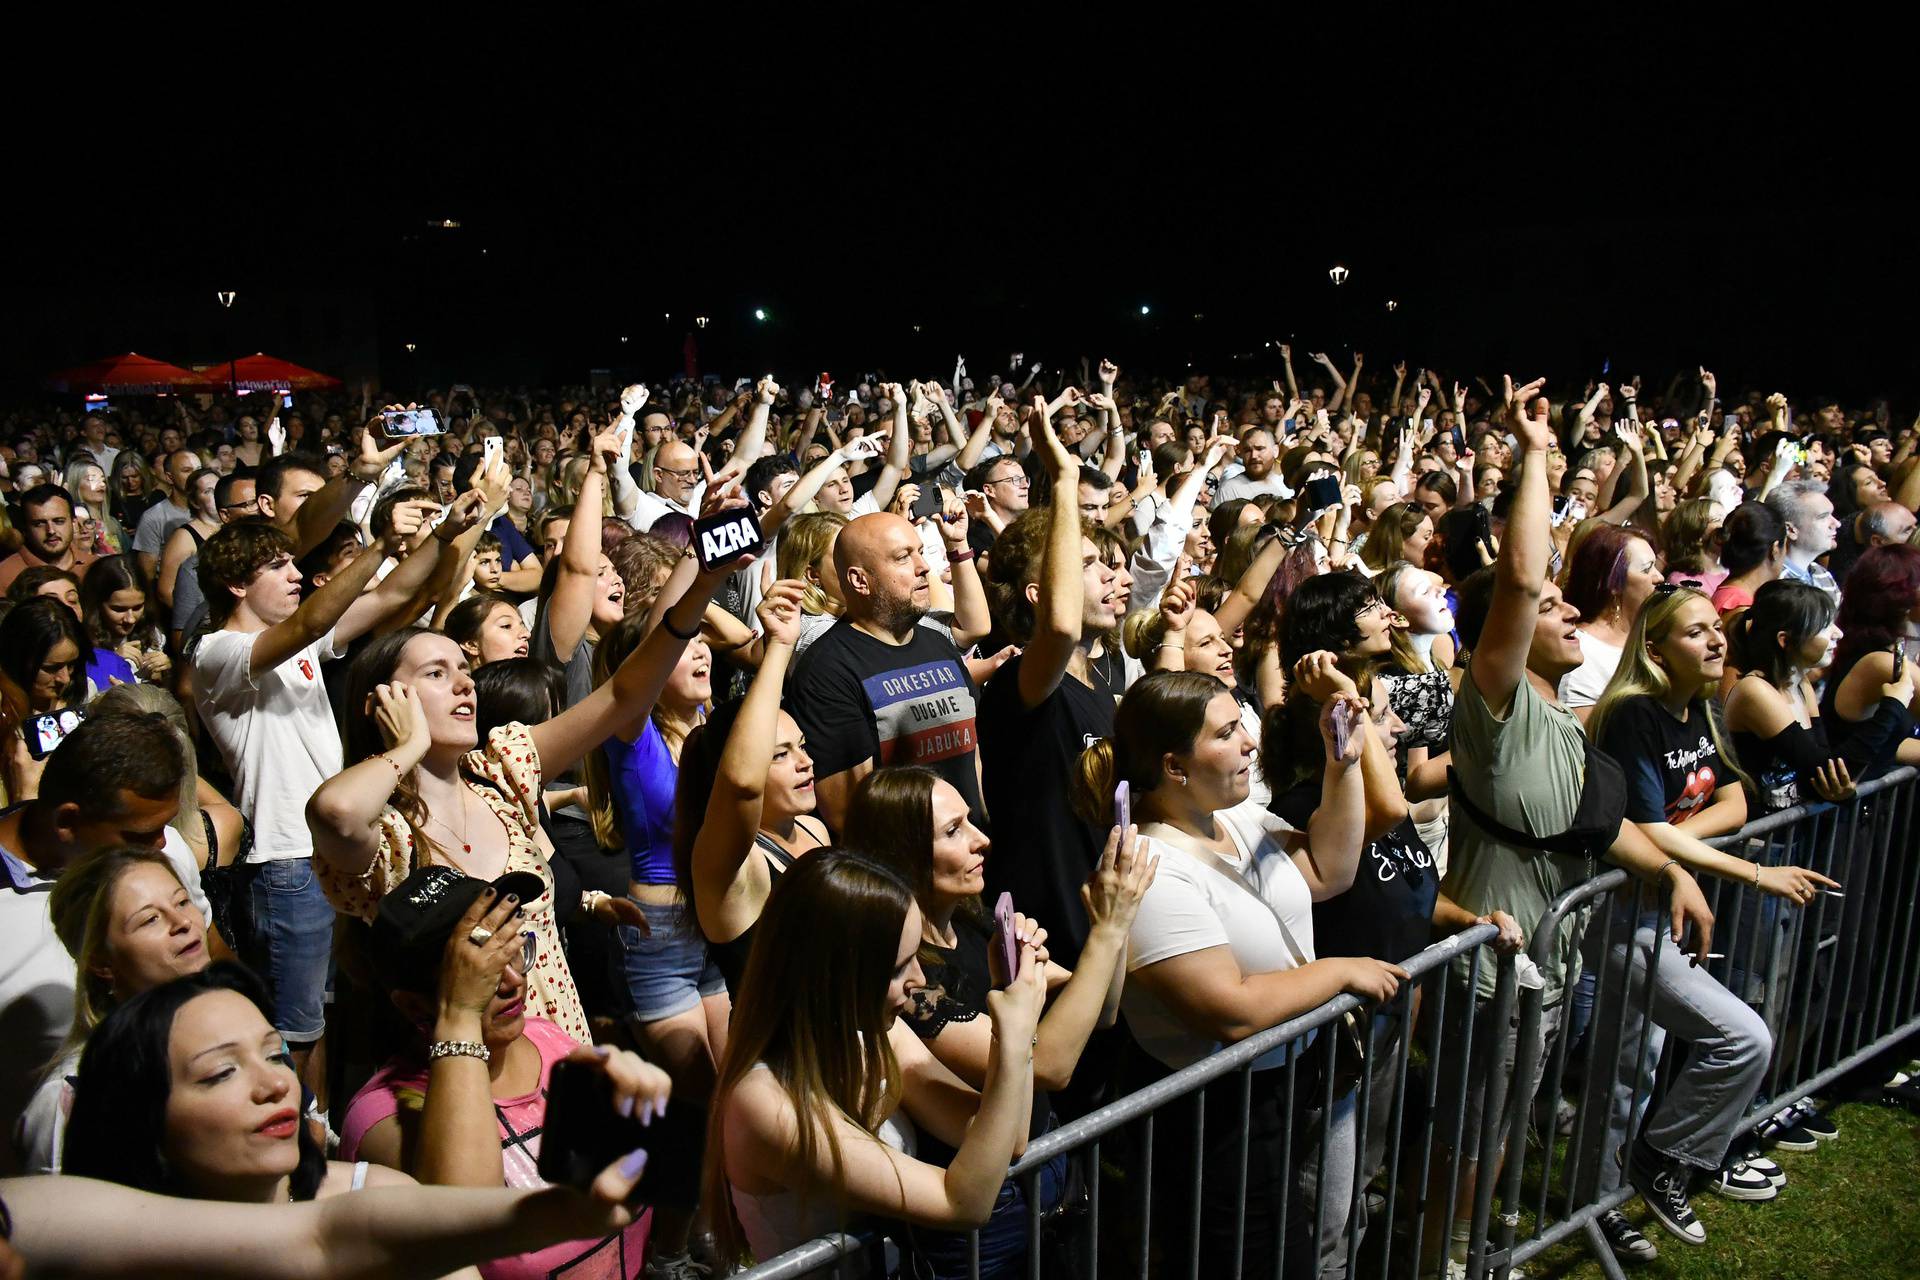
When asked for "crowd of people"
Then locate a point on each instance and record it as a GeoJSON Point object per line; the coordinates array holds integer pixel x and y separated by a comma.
{"type": "Point", "coordinates": [361, 784]}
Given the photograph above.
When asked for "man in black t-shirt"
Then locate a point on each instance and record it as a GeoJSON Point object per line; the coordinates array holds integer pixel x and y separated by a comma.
{"type": "Point", "coordinates": [1046, 706]}
{"type": "Point", "coordinates": [878, 688]}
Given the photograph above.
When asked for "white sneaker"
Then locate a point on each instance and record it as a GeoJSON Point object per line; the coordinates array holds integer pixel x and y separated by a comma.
{"type": "Point", "coordinates": [1741, 1181]}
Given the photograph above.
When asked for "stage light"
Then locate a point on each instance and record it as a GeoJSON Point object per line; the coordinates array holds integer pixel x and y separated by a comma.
{"type": "Point", "coordinates": [759, 314]}
{"type": "Point", "coordinates": [1392, 305]}
{"type": "Point", "coordinates": [1338, 274]}
{"type": "Point", "coordinates": [700, 322]}
{"type": "Point", "coordinates": [225, 297]}
{"type": "Point", "coordinates": [1143, 310]}
{"type": "Point", "coordinates": [412, 347]}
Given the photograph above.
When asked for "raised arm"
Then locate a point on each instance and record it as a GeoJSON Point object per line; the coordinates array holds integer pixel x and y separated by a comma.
{"type": "Point", "coordinates": [722, 852]}
{"type": "Point", "coordinates": [570, 608]}
{"type": "Point", "coordinates": [1499, 661]}
{"type": "Point", "coordinates": [636, 685]}
{"type": "Point", "coordinates": [977, 442]}
{"type": "Point", "coordinates": [972, 619]}
{"type": "Point", "coordinates": [1061, 609]}
{"type": "Point", "coordinates": [1286, 363]}
{"type": "Point", "coordinates": [1337, 831]}
{"type": "Point", "coordinates": [1634, 465]}
{"type": "Point", "coordinates": [1340, 384]}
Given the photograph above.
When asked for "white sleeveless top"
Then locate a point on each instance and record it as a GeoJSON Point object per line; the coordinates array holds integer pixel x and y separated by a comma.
{"type": "Point", "coordinates": [781, 1221]}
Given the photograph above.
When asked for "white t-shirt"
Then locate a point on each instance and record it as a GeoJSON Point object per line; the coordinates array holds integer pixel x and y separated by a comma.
{"type": "Point", "coordinates": [276, 732]}
{"type": "Point", "coordinates": [1197, 903]}
{"type": "Point", "coordinates": [1582, 686]}
{"type": "Point", "coordinates": [36, 990]}
{"type": "Point", "coordinates": [1245, 486]}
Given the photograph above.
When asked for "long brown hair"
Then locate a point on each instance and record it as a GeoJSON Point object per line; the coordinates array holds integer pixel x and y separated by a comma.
{"type": "Point", "coordinates": [361, 737]}
{"type": "Point", "coordinates": [890, 819]}
{"type": "Point", "coordinates": [812, 1007]}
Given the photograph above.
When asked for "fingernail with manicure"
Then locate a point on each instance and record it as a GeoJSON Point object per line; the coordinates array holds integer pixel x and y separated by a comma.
{"type": "Point", "coordinates": [634, 1163]}
{"type": "Point", "coordinates": [625, 1106]}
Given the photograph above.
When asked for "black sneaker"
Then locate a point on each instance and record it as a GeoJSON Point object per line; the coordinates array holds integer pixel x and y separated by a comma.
{"type": "Point", "coordinates": [1815, 1122]}
{"type": "Point", "coordinates": [1782, 1129]}
{"type": "Point", "coordinates": [1662, 1183]}
{"type": "Point", "coordinates": [1625, 1238]}
{"type": "Point", "coordinates": [1739, 1180]}
{"type": "Point", "coordinates": [1757, 1161]}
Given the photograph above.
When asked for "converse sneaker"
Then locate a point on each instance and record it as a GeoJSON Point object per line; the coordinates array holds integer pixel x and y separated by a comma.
{"type": "Point", "coordinates": [1741, 1181]}
{"type": "Point", "coordinates": [1625, 1239]}
{"type": "Point", "coordinates": [1815, 1122]}
{"type": "Point", "coordinates": [1782, 1129]}
{"type": "Point", "coordinates": [1662, 1183]}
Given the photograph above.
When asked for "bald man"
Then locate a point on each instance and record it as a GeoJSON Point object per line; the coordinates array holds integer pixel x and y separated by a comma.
{"type": "Point", "coordinates": [677, 486]}
{"type": "Point", "coordinates": [1880, 524]}
{"type": "Point", "coordinates": [882, 686]}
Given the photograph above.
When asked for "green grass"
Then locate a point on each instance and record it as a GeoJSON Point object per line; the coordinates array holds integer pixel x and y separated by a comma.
{"type": "Point", "coordinates": [1849, 1209]}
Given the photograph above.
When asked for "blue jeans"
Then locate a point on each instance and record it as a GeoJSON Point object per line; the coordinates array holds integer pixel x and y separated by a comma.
{"type": "Point", "coordinates": [1003, 1240]}
{"type": "Point", "coordinates": [293, 925]}
{"type": "Point", "coordinates": [668, 970]}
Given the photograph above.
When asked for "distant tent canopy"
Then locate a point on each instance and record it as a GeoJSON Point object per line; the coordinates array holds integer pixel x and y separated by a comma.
{"type": "Point", "coordinates": [259, 372]}
{"type": "Point", "coordinates": [129, 375]}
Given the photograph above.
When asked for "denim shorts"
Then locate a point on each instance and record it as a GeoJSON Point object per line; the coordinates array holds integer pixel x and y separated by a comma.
{"type": "Point", "coordinates": [293, 926]}
{"type": "Point", "coordinates": [668, 970]}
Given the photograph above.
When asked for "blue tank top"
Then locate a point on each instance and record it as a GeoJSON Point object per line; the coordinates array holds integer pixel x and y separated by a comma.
{"type": "Point", "coordinates": [644, 775]}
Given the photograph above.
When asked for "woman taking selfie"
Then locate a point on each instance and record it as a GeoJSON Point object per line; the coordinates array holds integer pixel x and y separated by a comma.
{"type": "Point", "coordinates": [806, 1123]}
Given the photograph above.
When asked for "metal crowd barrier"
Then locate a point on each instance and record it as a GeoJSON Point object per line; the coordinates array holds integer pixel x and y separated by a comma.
{"type": "Point", "coordinates": [1085, 1228]}
{"type": "Point", "coordinates": [1837, 983]}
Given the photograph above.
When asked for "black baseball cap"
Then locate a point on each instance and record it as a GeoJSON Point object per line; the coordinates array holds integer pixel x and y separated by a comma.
{"type": "Point", "coordinates": [409, 932]}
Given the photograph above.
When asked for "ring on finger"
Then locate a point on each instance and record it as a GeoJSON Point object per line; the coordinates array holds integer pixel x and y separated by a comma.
{"type": "Point", "coordinates": [480, 935]}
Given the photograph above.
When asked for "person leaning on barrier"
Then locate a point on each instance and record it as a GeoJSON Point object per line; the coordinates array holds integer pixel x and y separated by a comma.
{"type": "Point", "coordinates": [1656, 720]}
{"type": "Point", "coordinates": [1222, 948]}
{"type": "Point", "coordinates": [1533, 808]}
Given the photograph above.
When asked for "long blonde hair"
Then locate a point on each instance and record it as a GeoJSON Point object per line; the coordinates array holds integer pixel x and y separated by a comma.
{"type": "Point", "coordinates": [812, 1008]}
{"type": "Point", "coordinates": [81, 905]}
{"type": "Point", "coordinates": [806, 538]}
{"type": "Point", "coordinates": [1639, 676]}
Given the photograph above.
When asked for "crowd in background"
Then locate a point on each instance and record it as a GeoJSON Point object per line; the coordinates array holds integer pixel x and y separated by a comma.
{"type": "Point", "coordinates": [358, 780]}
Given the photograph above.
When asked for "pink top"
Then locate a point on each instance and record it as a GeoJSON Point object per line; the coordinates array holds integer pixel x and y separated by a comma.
{"type": "Point", "coordinates": [505, 772]}
{"type": "Point", "coordinates": [1730, 597]}
{"type": "Point", "coordinates": [620, 1256]}
{"type": "Point", "coordinates": [1707, 583]}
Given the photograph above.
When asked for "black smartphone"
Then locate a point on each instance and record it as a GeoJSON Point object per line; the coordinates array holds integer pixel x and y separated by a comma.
{"type": "Point", "coordinates": [928, 503]}
{"type": "Point", "coordinates": [1459, 441]}
{"type": "Point", "coordinates": [725, 534]}
{"type": "Point", "coordinates": [582, 1134]}
{"type": "Point", "coordinates": [1899, 666]}
{"type": "Point", "coordinates": [46, 732]}
{"type": "Point", "coordinates": [1322, 492]}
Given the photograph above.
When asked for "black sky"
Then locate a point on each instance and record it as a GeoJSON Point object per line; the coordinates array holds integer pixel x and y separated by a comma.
{"type": "Point", "coordinates": [1674, 196]}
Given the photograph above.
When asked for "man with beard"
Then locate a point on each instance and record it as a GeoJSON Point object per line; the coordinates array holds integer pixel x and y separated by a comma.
{"type": "Point", "coordinates": [879, 687]}
{"type": "Point", "coordinates": [46, 530]}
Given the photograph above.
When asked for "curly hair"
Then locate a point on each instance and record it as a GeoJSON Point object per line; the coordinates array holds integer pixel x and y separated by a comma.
{"type": "Point", "coordinates": [232, 557]}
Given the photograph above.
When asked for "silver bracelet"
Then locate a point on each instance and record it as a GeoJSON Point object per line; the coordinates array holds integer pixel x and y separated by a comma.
{"type": "Point", "coordinates": [458, 1049]}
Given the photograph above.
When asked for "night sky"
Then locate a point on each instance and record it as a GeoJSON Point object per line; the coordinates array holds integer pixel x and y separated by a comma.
{"type": "Point", "coordinates": [1673, 198]}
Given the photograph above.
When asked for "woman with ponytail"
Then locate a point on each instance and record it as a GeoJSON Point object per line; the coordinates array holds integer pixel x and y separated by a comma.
{"type": "Point", "coordinates": [1223, 947]}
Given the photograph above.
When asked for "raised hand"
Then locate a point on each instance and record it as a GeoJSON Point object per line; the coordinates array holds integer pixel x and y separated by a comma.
{"type": "Point", "coordinates": [953, 519]}
{"type": "Point", "coordinates": [633, 399]}
{"type": "Point", "coordinates": [1711, 383]}
{"type": "Point", "coordinates": [1109, 373]}
{"type": "Point", "coordinates": [371, 460]}
{"type": "Point", "coordinates": [1112, 895]}
{"type": "Point", "coordinates": [1528, 423]}
{"type": "Point", "coordinates": [1059, 458]}
{"type": "Point", "coordinates": [1318, 675]}
{"type": "Point", "coordinates": [779, 612]}
{"type": "Point", "coordinates": [399, 715]}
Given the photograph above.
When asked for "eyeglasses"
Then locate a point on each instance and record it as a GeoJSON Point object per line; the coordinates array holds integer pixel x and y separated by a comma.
{"type": "Point", "coordinates": [529, 947]}
{"type": "Point", "coordinates": [250, 503]}
{"type": "Point", "coordinates": [1018, 481]}
{"type": "Point", "coordinates": [1375, 605]}
{"type": "Point", "coordinates": [685, 476]}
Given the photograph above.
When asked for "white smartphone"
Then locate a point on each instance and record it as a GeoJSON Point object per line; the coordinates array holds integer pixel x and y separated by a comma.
{"type": "Point", "coordinates": [490, 451]}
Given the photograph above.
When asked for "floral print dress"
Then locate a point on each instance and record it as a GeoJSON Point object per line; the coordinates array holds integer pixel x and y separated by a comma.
{"type": "Point", "coordinates": [506, 773]}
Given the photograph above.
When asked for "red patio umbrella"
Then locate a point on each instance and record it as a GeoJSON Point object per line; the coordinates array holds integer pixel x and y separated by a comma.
{"type": "Point", "coordinates": [131, 374]}
{"type": "Point", "coordinates": [260, 372]}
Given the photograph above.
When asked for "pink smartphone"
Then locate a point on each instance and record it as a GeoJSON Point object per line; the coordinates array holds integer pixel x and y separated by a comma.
{"type": "Point", "coordinates": [1005, 937]}
{"type": "Point", "coordinates": [1122, 806]}
{"type": "Point", "coordinates": [1342, 727]}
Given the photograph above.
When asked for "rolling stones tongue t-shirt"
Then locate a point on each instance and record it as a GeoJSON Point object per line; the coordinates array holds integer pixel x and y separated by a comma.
{"type": "Point", "coordinates": [1672, 768]}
